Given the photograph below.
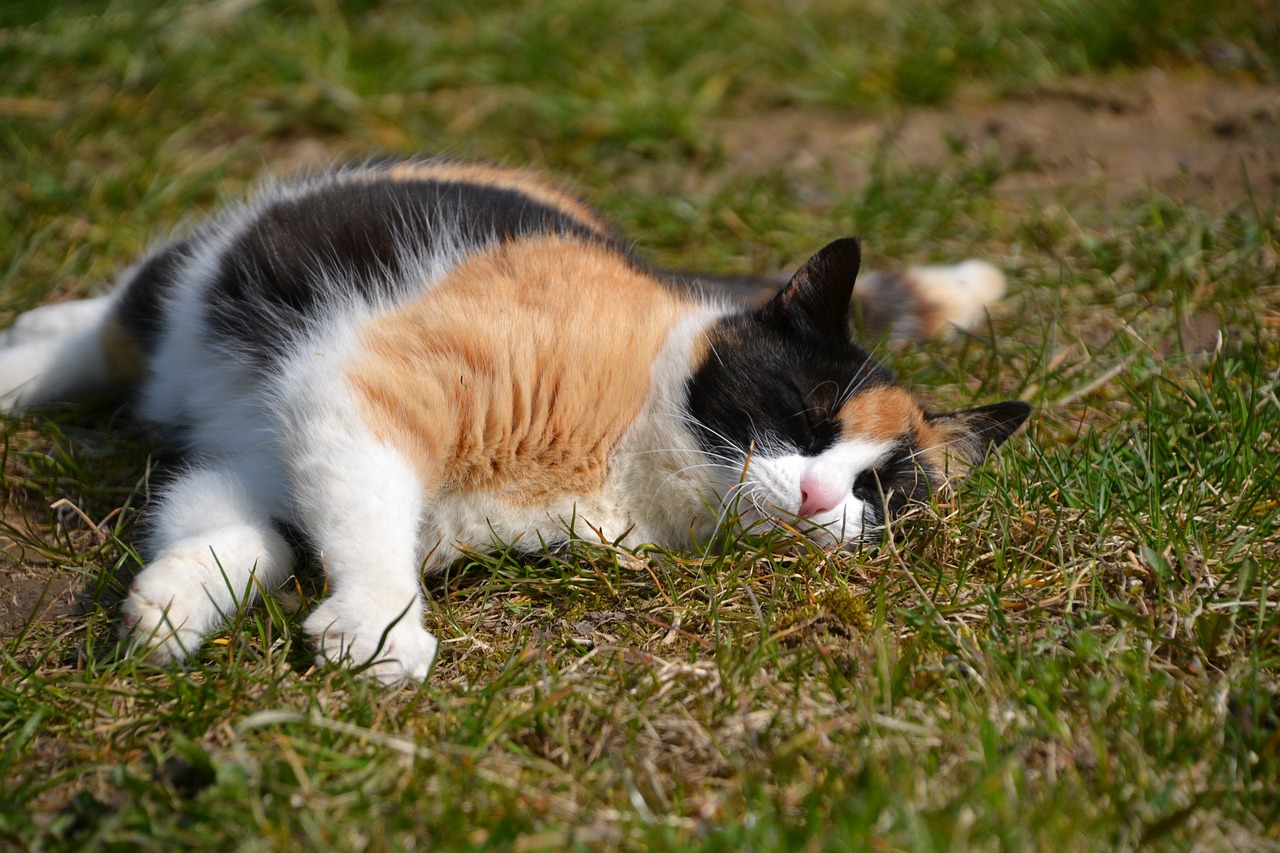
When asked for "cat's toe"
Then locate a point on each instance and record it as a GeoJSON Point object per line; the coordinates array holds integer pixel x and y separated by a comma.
{"type": "Point", "coordinates": [391, 647]}
{"type": "Point", "coordinates": [408, 657]}
{"type": "Point", "coordinates": [157, 629]}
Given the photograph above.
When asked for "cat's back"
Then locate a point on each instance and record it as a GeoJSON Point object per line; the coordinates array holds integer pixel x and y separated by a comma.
{"type": "Point", "coordinates": [505, 352]}
{"type": "Point", "coordinates": [373, 233]}
{"type": "Point", "coordinates": [486, 322]}
{"type": "Point", "coordinates": [307, 260]}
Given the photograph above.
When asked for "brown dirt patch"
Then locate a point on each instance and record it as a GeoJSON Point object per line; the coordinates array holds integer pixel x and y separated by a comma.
{"type": "Point", "coordinates": [51, 551]}
{"type": "Point", "coordinates": [1208, 141]}
{"type": "Point", "coordinates": [39, 593]}
{"type": "Point", "coordinates": [34, 589]}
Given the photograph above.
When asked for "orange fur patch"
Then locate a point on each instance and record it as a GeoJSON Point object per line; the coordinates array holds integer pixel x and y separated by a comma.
{"type": "Point", "coordinates": [881, 414]}
{"type": "Point", "coordinates": [519, 373]}
{"type": "Point", "coordinates": [885, 414]}
{"type": "Point", "coordinates": [526, 183]}
{"type": "Point", "coordinates": [932, 305]}
{"type": "Point", "coordinates": [946, 448]}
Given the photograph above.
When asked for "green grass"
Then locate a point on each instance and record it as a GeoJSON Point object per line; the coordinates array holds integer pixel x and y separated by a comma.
{"type": "Point", "coordinates": [1080, 650]}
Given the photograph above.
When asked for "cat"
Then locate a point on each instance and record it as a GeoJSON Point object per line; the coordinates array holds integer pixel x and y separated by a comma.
{"type": "Point", "coordinates": [402, 359]}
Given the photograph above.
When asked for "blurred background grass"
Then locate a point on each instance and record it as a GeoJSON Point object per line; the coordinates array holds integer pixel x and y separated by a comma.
{"type": "Point", "coordinates": [1080, 653]}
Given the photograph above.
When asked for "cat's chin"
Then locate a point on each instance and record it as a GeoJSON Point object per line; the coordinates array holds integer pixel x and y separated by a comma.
{"type": "Point", "coordinates": [843, 532]}
{"type": "Point", "coordinates": [844, 538]}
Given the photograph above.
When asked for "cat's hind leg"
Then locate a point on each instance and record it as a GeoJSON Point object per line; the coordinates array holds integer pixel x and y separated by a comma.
{"type": "Point", "coordinates": [65, 353]}
{"type": "Point", "coordinates": [214, 547]}
{"type": "Point", "coordinates": [56, 321]}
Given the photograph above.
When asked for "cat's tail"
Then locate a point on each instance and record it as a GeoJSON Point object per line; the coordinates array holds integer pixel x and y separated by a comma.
{"type": "Point", "coordinates": [918, 304]}
{"type": "Point", "coordinates": [926, 302]}
{"type": "Point", "coordinates": [66, 353]}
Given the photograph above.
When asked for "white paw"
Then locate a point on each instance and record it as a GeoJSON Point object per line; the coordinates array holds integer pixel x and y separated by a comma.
{"type": "Point", "coordinates": [158, 623]}
{"type": "Point", "coordinates": [394, 645]}
{"type": "Point", "coordinates": [168, 610]}
{"type": "Point", "coordinates": [54, 321]}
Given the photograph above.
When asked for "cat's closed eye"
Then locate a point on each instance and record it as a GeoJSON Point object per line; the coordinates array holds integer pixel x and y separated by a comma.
{"type": "Point", "coordinates": [811, 431]}
{"type": "Point", "coordinates": [896, 474]}
{"type": "Point", "coordinates": [867, 485]}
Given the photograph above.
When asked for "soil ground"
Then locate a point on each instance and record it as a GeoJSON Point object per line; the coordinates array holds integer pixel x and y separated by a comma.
{"type": "Point", "coordinates": [1213, 143]}
{"type": "Point", "coordinates": [1208, 142]}
{"type": "Point", "coordinates": [34, 587]}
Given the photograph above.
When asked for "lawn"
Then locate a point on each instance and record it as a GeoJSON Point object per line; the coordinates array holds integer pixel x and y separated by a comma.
{"type": "Point", "coordinates": [1080, 649]}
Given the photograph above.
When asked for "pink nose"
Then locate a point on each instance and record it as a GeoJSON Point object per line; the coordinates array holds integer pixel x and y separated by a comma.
{"type": "Point", "coordinates": [818, 495]}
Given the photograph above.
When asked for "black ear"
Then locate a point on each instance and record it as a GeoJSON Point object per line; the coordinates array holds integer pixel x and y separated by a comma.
{"type": "Point", "coordinates": [816, 300]}
{"type": "Point", "coordinates": [970, 435]}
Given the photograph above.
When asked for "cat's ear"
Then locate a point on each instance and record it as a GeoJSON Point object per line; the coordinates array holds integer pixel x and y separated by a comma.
{"type": "Point", "coordinates": [966, 437]}
{"type": "Point", "coordinates": [816, 300]}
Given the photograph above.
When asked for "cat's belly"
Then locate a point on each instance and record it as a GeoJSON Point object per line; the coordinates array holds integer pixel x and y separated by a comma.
{"type": "Point", "coordinates": [479, 522]}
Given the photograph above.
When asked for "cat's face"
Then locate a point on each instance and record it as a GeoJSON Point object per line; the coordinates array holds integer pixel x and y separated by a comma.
{"type": "Point", "coordinates": [806, 429]}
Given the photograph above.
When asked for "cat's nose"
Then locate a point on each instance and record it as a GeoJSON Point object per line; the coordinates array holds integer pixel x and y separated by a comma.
{"type": "Point", "coordinates": [818, 495]}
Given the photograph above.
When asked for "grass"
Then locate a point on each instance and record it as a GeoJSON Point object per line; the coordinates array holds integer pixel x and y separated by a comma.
{"type": "Point", "coordinates": [1080, 650]}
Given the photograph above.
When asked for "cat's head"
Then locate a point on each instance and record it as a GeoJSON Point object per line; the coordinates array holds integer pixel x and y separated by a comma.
{"type": "Point", "coordinates": [807, 428]}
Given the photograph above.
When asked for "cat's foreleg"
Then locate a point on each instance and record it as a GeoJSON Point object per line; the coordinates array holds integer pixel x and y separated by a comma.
{"type": "Point", "coordinates": [214, 547]}
{"type": "Point", "coordinates": [361, 502]}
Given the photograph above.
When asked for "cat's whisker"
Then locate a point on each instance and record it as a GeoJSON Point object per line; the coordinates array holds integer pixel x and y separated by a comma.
{"type": "Point", "coordinates": [860, 378]}
{"type": "Point", "coordinates": [689, 468]}
{"type": "Point", "coordinates": [680, 451]}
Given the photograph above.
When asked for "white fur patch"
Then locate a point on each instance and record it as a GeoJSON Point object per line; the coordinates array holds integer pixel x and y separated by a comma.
{"type": "Point", "coordinates": [54, 354]}
{"type": "Point", "coordinates": [56, 321]}
{"type": "Point", "coordinates": [770, 489]}
{"type": "Point", "coordinates": [661, 485]}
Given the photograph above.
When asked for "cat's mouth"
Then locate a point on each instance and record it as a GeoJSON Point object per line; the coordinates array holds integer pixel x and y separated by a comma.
{"type": "Point", "coordinates": [849, 525]}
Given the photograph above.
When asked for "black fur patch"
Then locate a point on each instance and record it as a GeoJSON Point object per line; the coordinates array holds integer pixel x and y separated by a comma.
{"type": "Point", "coordinates": [763, 388]}
{"type": "Point", "coordinates": [270, 282]}
{"type": "Point", "coordinates": [140, 309]}
{"type": "Point", "coordinates": [903, 479]}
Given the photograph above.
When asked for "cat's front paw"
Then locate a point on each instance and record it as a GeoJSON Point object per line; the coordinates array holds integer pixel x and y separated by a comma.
{"type": "Point", "coordinates": [157, 623]}
{"type": "Point", "coordinates": [394, 646]}
{"type": "Point", "coordinates": [173, 604]}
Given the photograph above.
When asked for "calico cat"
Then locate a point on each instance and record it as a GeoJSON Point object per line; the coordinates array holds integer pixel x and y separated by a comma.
{"type": "Point", "coordinates": [404, 359]}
